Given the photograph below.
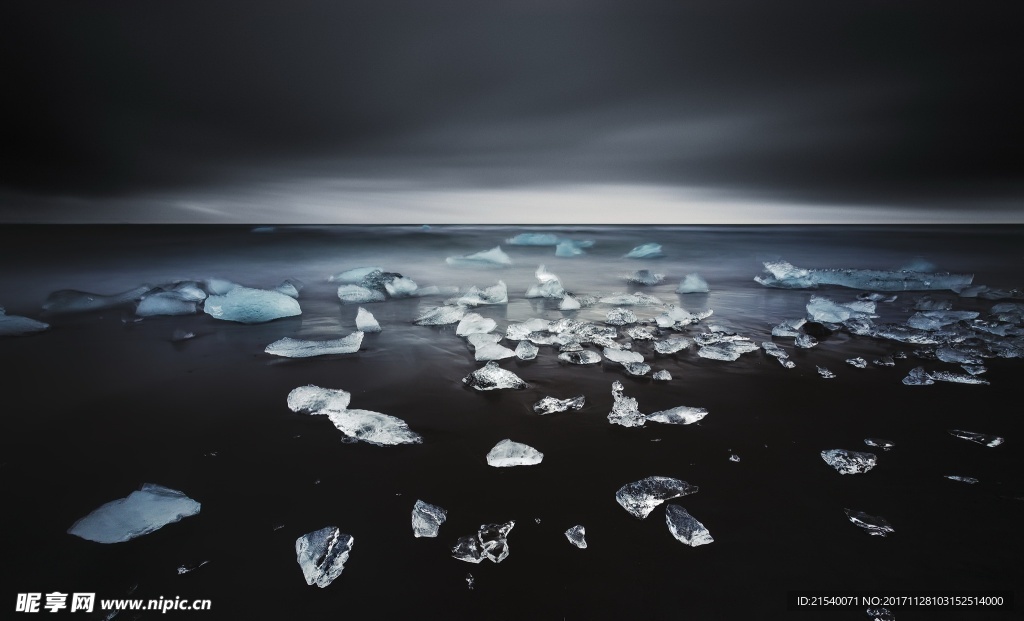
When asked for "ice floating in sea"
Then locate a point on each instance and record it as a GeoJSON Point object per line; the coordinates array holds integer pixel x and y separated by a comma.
{"type": "Point", "coordinates": [495, 257]}
{"type": "Point", "coordinates": [246, 305]}
{"type": "Point", "coordinates": [620, 317]}
{"type": "Point", "coordinates": [549, 286]}
{"type": "Point", "coordinates": [631, 299]}
{"type": "Point", "coordinates": [482, 339]}
{"type": "Point", "coordinates": [366, 322]}
{"type": "Point", "coordinates": [676, 317]}
{"type": "Point", "coordinates": [427, 519]}
{"type": "Point", "coordinates": [918, 377]}
{"type": "Point", "coordinates": [955, 353]}
{"type": "Point", "coordinates": [980, 438]}
{"type": "Point", "coordinates": [849, 462]}
{"type": "Point", "coordinates": [290, 288]}
{"type": "Point", "coordinates": [778, 353]}
{"type": "Point", "coordinates": [355, 275]}
{"type": "Point", "coordinates": [672, 344]}
{"type": "Point", "coordinates": [637, 368]}
{"type": "Point", "coordinates": [681, 415]}
{"type": "Point", "coordinates": [526, 350]}
{"type": "Point", "coordinates": [469, 581]}
{"type": "Point", "coordinates": [625, 411]}
{"type": "Point", "coordinates": [495, 294]}
{"type": "Point", "coordinates": [641, 333]}
{"type": "Point", "coordinates": [645, 251]}
{"type": "Point", "coordinates": [974, 369]}
{"type": "Point", "coordinates": [401, 287]}
{"type": "Point", "coordinates": [322, 554]}
{"type": "Point", "coordinates": [312, 399]}
{"type": "Point", "coordinates": [685, 527]}
{"type": "Point", "coordinates": [790, 327]}
{"type": "Point", "coordinates": [184, 569]}
{"type": "Point", "coordinates": [693, 283]}
{"type": "Point", "coordinates": [363, 425]}
{"type": "Point", "coordinates": [962, 479]}
{"type": "Point", "coordinates": [164, 303]}
{"type": "Point", "coordinates": [645, 277]}
{"type": "Point", "coordinates": [622, 356]}
{"type": "Point", "coordinates": [492, 351]}
{"type": "Point", "coordinates": [805, 341]}
{"type": "Point", "coordinates": [440, 315]}
{"type": "Point", "coordinates": [550, 405]}
{"type": "Point", "coordinates": [721, 346]}
{"type": "Point", "coordinates": [935, 320]}
{"type": "Point", "coordinates": [860, 363]}
{"type": "Point", "coordinates": [829, 311]}
{"type": "Point", "coordinates": [956, 378]}
{"type": "Point", "coordinates": [580, 357]}
{"type": "Point", "coordinates": [493, 377]}
{"type": "Point", "coordinates": [641, 497]}
{"type": "Point", "coordinates": [822, 371]}
{"type": "Point", "coordinates": [12, 325]}
{"type": "Point", "coordinates": [570, 248]}
{"type": "Point", "coordinates": [357, 294]}
{"type": "Point", "coordinates": [149, 508]}
{"type": "Point", "coordinates": [928, 303]}
{"type": "Point", "coordinates": [887, 361]}
{"type": "Point", "coordinates": [533, 239]}
{"type": "Point", "coordinates": [873, 524]}
{"type": "Point", "coordinates": [520, 331]}
{"type": "Point", "coordinates": [785, 275]}
{"type": "Point", "coordinates": [71, 301]}
{"type": "Point", "coordinates": [490, 542]}
{"type": "Point", "coordinates": [299, 348]}
{"type": "Point", "coordinates": [661, 376]}
{"type": "Point", "coordinates": [474, 323]}
{"type": "Point", "coordinates": [577, 536]}
{"type": "Point", "coordinates": [508, 453]}
{"type": "Point", "coordinates": [569, 303]}
{"type": "Point", "coordinates": [885, 445]}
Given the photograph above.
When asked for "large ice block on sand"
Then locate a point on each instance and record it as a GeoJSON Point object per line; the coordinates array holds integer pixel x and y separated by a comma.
{"type": "Point", "coordinates": [427, 519]}
{"type": "Point", "coordinates": [685, 527]}
{"type": "Point", "coordinates": [507, 453]}
{"type": "Point", "coordinates": [787, 276]}
{"type": "Point", "coordinates": [641, 497]}
{"type": "Point", "coordinates": [645, 251]}
{"type": "Point", "coordinates": [849, 462]}
{"type": "Point", "coordinates": [550, 405]}
{"type": "Point", "coordinates": [143, 511]}
{"type": "Point", "coordinates": [322, 554]}
{"type": "Point", "coordinates": [71, 301]}
{"type": "Point", "coordinates": [246, 305]}
{"type": "Point", "coordinates": [366, 322]}
{"type": "Point", "coordinates": [11, 325]}
{"type": "Point", "coordinates": [495, 257]}
{"type": "Point", "coordinates": [625, 410]}
{"type": "Point", "coordinates": [493, 377]}
{"type": "Point", "coordinates": [681, 415]}
{"type": "Point", "coordinates": [300, 348]}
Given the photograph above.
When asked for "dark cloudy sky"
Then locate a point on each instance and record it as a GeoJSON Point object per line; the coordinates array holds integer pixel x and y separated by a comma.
{"type": "Point", "coordinates": [516, 111]}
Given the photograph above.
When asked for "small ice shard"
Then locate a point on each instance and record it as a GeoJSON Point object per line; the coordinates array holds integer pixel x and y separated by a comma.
{"type": "Point", "coordinates": [622, 356]}
{"type": "Point", "coordinates": [580, 357]}
{"type": "Point", "coordinates": [12, 325]}
{"type": "Point", "coordinates": [661, 376]}
{"type": "Point", "coordinates": [625, 411]}
{"type": "Point", "coordinates": [490, 542]}
{"type": "Point", "coordinates": [860, 363]}
{"type": "Point", "coordinates": [962, 479]}
{"type": "Point", "coordinates": [180, 335]}
{"type": "Point", "coordinates": [805, 341]}
{"type": "Point", "coordinates": [495, 257]}
{"type": "Point", "coordinates": [495, 294]}
{"type": "Point", "coordinates": [672, 344]}
{"type": "Point", "coordinates": [645, 251]}
{"type": "Point", "coordinates": [825, 310]}
{"type": "Point", "coordinates": [918, 377]}
{"type": "Point", "coordinates": [366, 322]}
{"type": "Point", "coordinates": [849, 462]}
{"type": "Point", "coordinates": [355, 275]}
{"type": "Point", "coordinates": [570, 248]}
{"type": "Point", "coordinates": [631, 299]}
{"type": "Point", "coordinates": [474, 323]}
{"type": "Point", "coordinates": [322, 554]}
{"type": "Point", "coordinates": [550, 405]}
{"type": "Point", "coordinates": [357, 294]}
{"type": "Point", "coordinates": [145, 510]}
{"type": "Point", "coordinates": [645, 277]}
{"type": "Point", "coordinates": [676, 317]}
{"type": "Point", "coordinates": [533, 239]}
{"type": "Point", "coordinates": [185, 569]}
{"type": "Point", "coordinates": [164, 303]}
{"type": "Point", "coordinates": [508, 453]}
{"type": "Point", "coordinates": [876, 297]}
{"type": "Point", "coordinates": [789, 327]}
{"type": "Point", "coordinates": [493, 377]}
{"type": "Point", "coordinates": [492, 351]}
{"type": "Point", "coordinates": [246, 305]}
{"type": "Point", "coordinates": [734, 458]}
{"type": "Point", "coordinates": [974, 369]}
{"type": "Point", "coordinates": [784, 275]}
{"type": "Point", "coordinates": [822, 371]}
{"type": "Point", "coordinates": [469, 581]}
{"type": "Point", "coordinates": [637, 368]}
{"type": "Point", "coordinates": [641, 497]}
{"type": "Point", "coordinates": [880, 614]}
{"type": "Point", "coordinates": [980, 438]}
{"type": "Point", "coordinates": [468, 549]}
{"type": "Point", "coordinates": [299, 348]}
{"type": "Point", "coordinates": [936, 320]}
{"type": "Point", "coordinates": [427, 519]}
{"type": "Point", "coordinates": [681, 415]}
{"type": "Point", "coordinates": [569, 303]}
{"type": "Point", "coordinates": [685, 527]}
{"type": "Point", "coordinates": [885, 445]}
{"type": "Point", "coordinates": [526, 350]}
{"type": "Point", "coordinates": [576, 536]}
{"type": "Point", "coordinates": [887, 361]}
{"type": "Point", "coordinates": [956, 378]}
{"type": "Point", "coordinates": [693, 283]}
{"type": "Point", "coordinates": [549, 285]}
{"type": "Point", "coordinates": [71, 301]}
{"type": "Point", "coordinates": [778, 353]}
{"type": "Point", "coordinates": [401, 287]}
{"type": "Point", "coordinates": [440, 315]}
{"type": "Point", "coordinates": [620, 317]}
{"type": "Point", "coordinates": [873, 524]}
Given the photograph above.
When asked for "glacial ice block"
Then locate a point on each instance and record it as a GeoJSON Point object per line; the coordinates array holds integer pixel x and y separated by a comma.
{"type": "Point", "coordinates": [474, 296]}
{"type": "Point", "coordinates": [164, 303]}
{"type": "Point", "coordinates": [938, 319]}
{"type": "Point", "coordinates": [357, 294]}
{"type": "Point", "coordinates": [526, 350]}
{"type": "Point", "coordinates": [685, 527]}
{"type": "Point", "coordinates": [71, 301]}
{"type": "Point", "coordinates": [956, 378]}
{"type": "Point", "coordinates": [641, 497]}
{"type": "Point", "coordinates": [533, 239]}
{"type": "Point", "coordinates": [631, 299]}
{"type": "Point", "coordinates": [580, 357]}
{"type": "Point", "coordinates": [645, 277]}
{"type": "Point", "coordinates": [300, 348]}
{"type": "Point", "coordinates": [493, 377]}
{"type": "Point", "coordinates": [355, 275]}
{"type": "Point", "coordinates": [885, 445]}
{"type": "Point", "coordinates": [824, 372]}
{"type": "Point", "coordinates": [362, 425]}
{"type": "Point", "coordinates": [486, 352]}
{"type": "Point", "coordinates": [620, 317]}
{"type": "Point", "coordinates": [366, 322]}
{"type": "Point", "coordinates": [681, 415]}
{"type": "Point", "coordinates": [569, 303]}
{"type": "Point", "coordinates": [918, 377]}
{"type": "Point", "coordinates": [642, 333]}
{"type": "Point", "coordinates": [427, 519]}
{"type": "Point", "coordinates": [474, 323]}
{"type": "Point", "coordinates": [672, 345]}
{"type": "Point", "coordinates": [322, 554]}
{"type": "Point", "coordinates": [645, 251]}
{"type": "Point", "coordinates": [980, 438]}
{"type": "Point", "coordinates": [849, 462]}
{"type": "Point", "coordinates": [148, 509]}
{"type": "Point", "coordinates": [872, 524]}
{"type": "Point", "coordinates": [495, 257]}
{"type": "Point", "coordinates": [790, 327]}
{"type": "Point", "coordinates": [778, 353]}
{"type": "Point", "coordinates": [507, 453]}
{"type": "Point", "coordinates": [548, 285]}
{"type": "Point", "coordinates": [661, 376]}
{"type": "Point", "coordinates": [577, 536]}
{"type": "Point", "coordinates": [311, 399]}
{"type": "Point", "coordinates": [826, 310]}
{"type": "Point", "coordinates": [245, 305]}
{"type": "Point", "coordinates": [569, 248]}
{"type": "Point", "coordinates": [693, 283]}
{"type": "Point", "coordinates": [676, 317]}
{"type": "Point", "coordinates": [440, 315]}
{"type": "Point", "coordinates": [12, 325]}
{"type": "Point", "coordinates": [401, 287]}
{"type": "Point", "coordinates": [625, 410]}
{"type": "Point", "coordinates": [550, 405]}
{"type": "Point", "coordinates": [622, 356]}
{"type": "Point", "coordinates": [727, 350]}
{"type": "Point", "coordinates": [784, 275]}
{"type": "Point", "coordinates": [490, 542]}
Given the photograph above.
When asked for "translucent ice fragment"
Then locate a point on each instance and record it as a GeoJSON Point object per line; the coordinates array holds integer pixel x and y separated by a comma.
{"type": "Point", "coordinates": [492, 351]}
{"type": "Point", "coordinates": [533, 239]}
{"type": "Point", "coordinates": [727, 350]}
{"type": "Point", "coordinates": [980, 438]}
{"type": "Point", "coordinates": [580, 357]}
{"type": "Point", "coordinates": [549, 286]}
{"type": "Point", "coordinates": [849, 462]}
{"type": "Point", "coordinates": [672, 344]}
{"type": "Point", "coordinates": [637, 368]}
{"type": "Point", "coordinates": [311, 399]}
{"type": "Point", "coordinates": [734, 458]}
{"type": "Point", "coordinates": [470, 581]}
{"type": "Point", "coordinates": [880, 613]}
{"type": "Point", "coordinates": [299, 348]}
{"type": "Point", "coordinates": [526, 350]}
{"type": "Point", "coordinates": [495, 257]}
{"type": "Point", "coordinates": [366, 322]}
{"type": "Point", "coordinates": [661, 376]}
{"type": "Point", "coordinates": [822, 371]}
{"type": "Point", "coordinates": [622, 356]}
{"type": "Point", "coordinates": [962, 479]}
{"type": "Point", "coordinates": [520, 331]}
{"type": "Point", "coordinates": [577, 536]}
{"type": "Point", "coordinates": [918, 377]}
{"type": "Point", "coordinates": [427, 519]}
{"type": "Point", "coordinates": [164, 303]}
{"type": "Point", "coordinates": [680, 415]}
{"type": "Point", "coordinates": [11, 325]}
{"type": "Point", "coordinates": [322, 554]}
{"type": "Point", "coordinates": [928, 303]}
{"type": "Point", "coordinates": [493, 377]}
{"type": "Point", "coordinates": [569, 303]}
{"type": "Point", "coordinates": [373, 427]}
{"type": "Point", "coordinates": [785, 275]}
{"type": "Point", "coordinates": [357, 294]}
{"type": "Point", "coordinates": [508, 453]}
{"type": "Point", "coordinates": [569, 248]}
{"type": "Point", "coordinates": [935, 320]}
{"type": "Point", "coordinates": [149, 508]}
{"type": "Point", "coordinates": [625, 411]}
{"type": "Point", "coordinates": [885, 445]}
{"type": "Point", "coordinates": [620, 317]}
{"type": "Point", "coordinates": [246, 305]}
{"type": "Point", "coordinates": [685, 527]}
{"type": "Point", "coordinates": [805, 341]}
{"type": "Point", "coordinates": [632, 299]}
{"type": "Point", "coordinates": [440, 315]}
{"type": "Point", "coordinates": [482, 339]}
{"type": "Point", "coordinates": [790, 327]}
{"type": "Point", "coordinates": [956, 378]}
{"type": "Point", "coordinates": [778, 353]}
{"type": "Point", "coordinates": [641, 497]}
{"type": "Point", "coordinates": [71, 301]}
{"type": "Point", "coordinates": [645, 277]}
{"type": "Point", "coordinates": [490, 542]}
{"type": "Point", "coordinates": [474, 323]}
{"type": "Point", "coordinates": [693, 283]}
{"type": "Point", "coordinates": [645, 251]}
{"type": "Point", "coordinates": [354, 276]}
{"type": "Point", "coordinates": [872, 524]}
{"type": "Point", "coordinates": [550, 405]}
{"type": "Point", "coordinates": [825, 310]}
{"type": "Point", "coordinates": [468, 549]}
{"type": "Point", "coordinates": [676, 317]}
{"type": "Point", "coordinates": [641, 333]}
{"type": "Point", "coordinates": [495, 294]}
{"type": "Point", "coordinates": [860, 363]}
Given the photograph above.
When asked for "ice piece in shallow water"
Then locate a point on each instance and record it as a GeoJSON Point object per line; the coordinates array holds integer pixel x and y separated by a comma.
{"type": "Point", "coordinates": [734, 458]}
{"type": "Point", "coordinates": [164, 303]}
{"type": "Point", "coordinates": [805, 341]}
{"type": "Point", "coordinates": [681, 415]}
{"type": "Point", "coordinates": [625, 411]}
{"type": "Point", "coordinates": [885, 445]}
{"type": "Point", "coordinates": [373, 427]}
{"type": "Point", "coordinates": [980, 438]}
{"type": "Point", "coordinates": [693, 283]}
{"type": "Point", "coordinates": [580, 357]}
{"type": "Point", "coordinates": [645, 251]}
{"type": "Point", "coordinates": [508, 453]}
{"type": "Point", "coordinates": [490, 542]}
{"type": "Point", "coordinates": [661, 376]}
{"type": "Point", "coordinates": [637, 368]}
{"type": "Point", "coordinates": [641, 333]}
{"type": "Point", "coordinates": [495, 257]}
{"type": "Point", "coordinates": [290, 288]}
{"type": "Point", "coordinates": [887, 361]}
{"type": "Point", "coordinates": [822, 371]}
{"type": "Point", "coordinates": [849, 462]}
{"type": "Point", "coordinates": [631, 299]}
{"type": "Point", "coordinates": [71, 301]}
{"type": "Point", "coordinates": [672, 344]}
{"type": "Point", "coordinates": [311, 399]}
{"type": "Point", "coordinates": [12, 325]}
{"type": "Point", "coordinates": [569, 303]}
{"type": "Point", "coordinates": [550, 405]}
{"type": "Point", "coordinates": [676, 317]}
{"type": "Point", "coordinates": [569, 248]}
{"type": "Point", "coordinates": [873, 524]}
{"type": "Point", "coordinates": [858, 362]}
{"type": "Point", "coordinates": [299, 348]}
{"type": "Point", "coordinates": [956, 378]}
{"type": "Point", "coordinates": [520, 331]}
{"type": "Point", "coordinates": [826, 310]}
{"type": "Point", "coordinates": [492, 351]}
{"type": "Point", "coordinates": [357, 294]}
{"type": "Point", "coordinates": [355, 275]}
{"type": "Point", "coordinates": [246, 305]}
{"type": "Point", "coordinates": [366, 322]}
{"type": "Point", "coordinates": [495, 294]}
{"type": "Point", "coordinates": [962, 479]}
{"type": "Point", "coordinates": [685, 527]}
{"type": "Point", "coordinates": [726, 349]}
{"type": "Point", "coordinates": [645, 277]}
{"type": "Point", "coordinates": [468, 549]}
{"type": "Point", "coordinates": [778, 353]}
{"type": "Point", "coordinates": [790, 327]}
{"type": "Point", "coordinates": [482, 339]}
{"type": "Point", "coordinates": [549, 285]}
{"type": "Point", "coordinates": [577, 536]}
{"type": "Point", "coordinates": [474, 323]}
{"type": "Point", "coordinates": [427, 519]}
{"type": "Point", "coordinates": [917, 377]}
{"type": "Point", "coordinates": [928, 303]}
{"type": "Point", "coordinates": [493, 377]}
{"type": "Point", "coordinates": [622, 356]}
{"type": "Point", "coordinates": [533, 239]}
{"type": "Point", "coordinates": [641, 497]}
{"type": "Point", "coordinates": [974, 369]}
{"type": "Point", "coordinates": [785, 275]}
{"type": "Point", "coordinates": [935, 320]}
{"type": "Point", "coordinates": [620, 317]}
{"type": "Point", "coordinates": [440, 315]}
{"type": "Point", "coordinates": [526, 350]}
{"type": "Point", "coordinates": [145, 510]}
{"type": "Point", "coordinates": [322, 554]}
{"type": "Point", "coordinates": [880, 614]}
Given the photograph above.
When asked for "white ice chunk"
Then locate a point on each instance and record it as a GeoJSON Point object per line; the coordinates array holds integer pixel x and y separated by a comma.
{"type": "Point", "coordinates": [726, 350]}
{"type": "Point", "coordinates": [440, 315]}
{"type": "Point", "coordinates": [645, 277]}
{"type": "Point", "coordinates": [311, 399]}
{"type": "Point", "coordinates": [849, 462]}
{"type": "Point", "coordinates": [495, 294]}
{"type": "Point", "coordinates": [520, 331]}
{"type": "Point", "coordinates": [693, 283]}
{"type": "Point", "coordinates": [625, 410]}
{"type": "Point", "coordinates": [507, 453]}
{"type": "Point", "coordinates": [550, 405]}
{"type": "Point", "coordinates": [672, 344]}
{"type": "Point", "coordinates": [661, 376]}
{"type": "Point", "coordinates": [631, 299]}
{"type": "Point", "coordinates": [778, 353]}
{"type": "Point", "coordinates": [860, 363]}
{"type": "Point", "coordinates": [482, 339]}
{"type": "Point", "coordinates": [490, 542]}
{"type": "Point", "coordinates": [641, 497]}
{"type": "Point", "coordinates": [785, 275]}
{"type": "Point", "coordinates": [580, 357]}
{"type": "Point", "coordinates": [822, 371]}
{"type": "Point", "coordinates": [246, 305]}
{"type": "Point", "coordinates": [493, 377]}
{"type": "Point", "coordinates": [492, 351]}
{"type": "Point", "coordinates": [11, 325]}
{"type": "Point", "coordinates": [829, 311]}
{"type": "Point", "coordinates": [526, 350]}
{"type": "Point", "coordinates": [872, 524]}
{"type": "Point", "coordinates": [577, 536]}
{"type": "Point", "coordinates": [685, 527]}
{"type": "Point", "coordinates": [790, 327]}
{"type": "Point", "coordinates": [620, 317]}
{"type": "Point", "coordinates": [401, 287]}
{"type": "Point", "coordinates": [549, 286]}
{"type": "Point", "coordinates": [495, 257]}
{"type": "Point", "coordinates": [357, 294]}
{"type": "Point", "coordinates": [474, 323]}
{"type": "Point", "coordinates": [366, 322]}
{"type": "Point", "coordinates": [373, 427]}
{"type": "Point", "coordinates": [71, 301]}
{"type": "Point", "coordinates": [149, 508]}
{"type": "Point", "coordinates": [322, 554]}
{"type": "Point", "coordinates": [622, 356]}
{"type": "Point", "coordinates": [918, 377]}
{"type": "Point", "coordinates": [300, 348]}
{"type": "Point", "coordinates": [980, 438]}
{"type": "Point", "coordinates": [805, 341]}
{"type": "Point", "coordinates": [677, 317]}
{"type": "Point", "coordinates": [938, 319]}
{"type": "Point", "coordinates": [956, 378]}
{"type": "Point", "coordinates": [569, 303]}
{"type": "Point", "coordinates": [533, 239]}
{"type": "Point", "coordinates": [427, 519]}
{"type": "Point", "coordinates": [885, 445]}
{"type": "Point", "coordinates": [641, 333]}
{"type": "Point", "coordinates": [569, 248]}
{"type": "Point", "coordinates": [355, 275]}
{"type": "Point", "coordinates": [645, 251]}
{"type": "Point", "coordinates": [680, 415]}
{"type": "Point", "coordinates": [637, 368]}
{"type": "Point", "coordinates": [290, 288]}
{"type": "Point", "coordinates": [165, 303]}
{"type": "Point", "coordinates": [961, 479]}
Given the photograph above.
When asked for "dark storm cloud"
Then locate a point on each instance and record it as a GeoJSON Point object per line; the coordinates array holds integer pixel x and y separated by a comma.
{"type": "Point", "coordinates": [855, 102]}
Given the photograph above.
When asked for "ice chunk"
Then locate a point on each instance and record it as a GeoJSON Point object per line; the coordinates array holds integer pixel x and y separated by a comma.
{"type": "Point", "coordinates": [631, 299]}
{"type": "Point", "coordinates": [508, 453]}
{"type": "Point", "coordinates": [357, 294]}
{"type": "Point", "coordinates": [685, 527]}
{"type": "Point", "coordinates": [849, 462]}
{"type": "Point", "coordinates": [645, 251]}
{"type": "Point", "coordinates": [474, 323]}
{"type": "Point", "coordinates": [550, 405]}
{"type": "Point", "coordinates": [822, 371]}
{"type": "Point", "coordinates": [12, 325]}
{"type": "Point", "coordinates": [577, 536]}
{"type": "Point", "coordinates": [366, 322]}
{"type": "Point", "coordinates": [469, 581]}
{"type": "Point", "coordinates": [495, 294]}
{"type": "Point", "coordinates": [721, 346]}
{"type": "Point", "coordinates": [829, 311]}
{"type": "Point", "coordinates": [427, 519]}
{"type": "Point", "coordinates": [246, 305]}
{"type": "Point", "coordinates": [918, 377]}
{"type": "Point", "coordinates": [681, 415]}
{"type": "Point", "coordinates": [490, 542]}
{"type": "Point", "coordinates": [625, 411]}
{"type": "Point", "coordinates": [299, 348]}
{"type": "Point", "coordinates": [363, 425]}
{"type": "Point", "coordinates": [885, 445]}
{"type": "Point", "coordinates": [693, 283]}
{"type": "Point", "coordinates": [482, 339]}
{"type": "Point", "coordinates": [873, 524]}
{"type": "Point", "coordinates": [148, 509]}
{"type": "Point", "coordinates": [778, 353]}
{"type": "Point", "coordinates": [440, 315]}
{"type": "Point", "coordinates": [290, 288]}
{"type": "Point", "coordinates": [549, 286]}
{"type": "Point", "coordinates": [637, 368]}
{"type": "Point", "coordinates": [734, 458]}
{"type": "Point", "coordinates": [956, 378]}
{"type": "Point", "coordinates": [980, 438]}
{"type": "Point", "coordinates": [622, 356]}
{"type": "Point", "coordinates": [322, 554]}
{"type": "Point", "coordinates": [789, 327]}
{"type": "Point", "coordinates": [672, 344]}
{"type": "Point", "coordinates": [526, 350]}
{"type": "Point", "coordinates": [935, 320]}
{"type": "Point", "coordinates": [354, 276]}
{"type": "Point", "coordinates": [569, 248]}
{"type": "Point", "coordinates": [492, 351]}
{"type": "Point", "coordinates": [620, 317]}
{"type": "Point", "coordinates": [493, 377]}
{"type": "Point", "coordinates": [311, 399]}
{"type": "Point", "coordinates": [533, 239]}
{"type": "Point", "coordinates": [165, 303]}
{"type": "Point", "coordinates": [641, 333]}
{"type": "Point", "coordinates": [860, 363]}
{"type": "Point", "coordinates": [71, 301]}
{"type": "Point", "coordinates": [805, 341]}
{"type": "Point", "coordinates": [661, 376]}
{"type": "Point", "coordinates": [784, 275]}
{"type": "Point", "coordinates": [580, 357]}
{"type": "Point", "coordinates": [880, 614]}
{"type": "Point", "coordinates": [645, 277]}
{"type": "Point", "coordinates": [520, 331]}
{"type": "Point", "coordinates": [928, 303]}
{"type": "Point", "coordinates": [641, 497]}
{"type": "Point", "coordinates": [495, 257]}
{"type": "Point", "coordinates": [569, 303]}
{"type": "Point", "coordinates": [962, 479]}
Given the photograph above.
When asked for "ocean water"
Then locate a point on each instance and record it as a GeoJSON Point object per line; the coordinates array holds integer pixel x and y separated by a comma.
{"type": "Point", "coordinates": [102, 403]}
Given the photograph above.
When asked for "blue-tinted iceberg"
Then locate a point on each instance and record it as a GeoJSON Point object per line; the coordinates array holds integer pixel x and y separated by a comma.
{"type": "Point", "coordinates": [693, 283]}
{"type": "Point", "coordinates": [645, 251]}
{"type": "Point", "coordinates": [143, 511]}
{"type": "Point", "coordinates": [366, 322]}
{"type": "Point", "coordinates": [533, 239]}
{"type": "Point", "coordinates": [165, 303]}
{"type": "Point", "coordinates": [787, 276]}
{"type": "Point", "coordinates": [71, 301]}
{"type": "Point", "coordinates": [495, 257]}
{"type": "Point", "coordinates": [11, 325]}
{"type": "Point", "coordinates": [246, 305]}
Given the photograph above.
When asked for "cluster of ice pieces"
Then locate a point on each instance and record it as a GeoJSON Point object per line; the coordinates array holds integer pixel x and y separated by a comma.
{"type": "Point", "coordinates": [362, 425]}
{"type": "Point", "coordinates": [849, 462]}
{"type": "Point", "coordinates": [322, 554]}
{"type": "Point", "coordinates": [641, 497]}
{"type": "Point", "coordinates": [785, 275]}
{"type": "Point", "coordinates": [490, 542]}
{"type": "Point", "coordinates": [149, 508]}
